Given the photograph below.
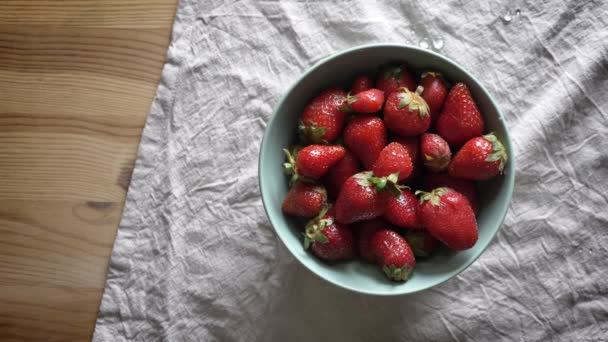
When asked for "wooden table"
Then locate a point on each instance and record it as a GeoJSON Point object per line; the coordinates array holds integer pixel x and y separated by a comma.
{"type": "Point", "coordinates": [76, 81]}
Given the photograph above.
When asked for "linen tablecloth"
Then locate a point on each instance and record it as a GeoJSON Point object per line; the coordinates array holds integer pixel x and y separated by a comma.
{"type": "Point", "coordinates": [195, 258]}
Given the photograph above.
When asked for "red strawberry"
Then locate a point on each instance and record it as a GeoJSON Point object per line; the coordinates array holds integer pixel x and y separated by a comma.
{"type": "Point", "coordinates": [465, 187]}
{"type": "Point", "coordinates": [313, 161]}
{"type": "Point", "coordinates": [480, 158]}
{"type": "Point", "coordinates": [339, 173]}
{"type": "Point", "coordinates": [422, 243]}
{"type": "Point", "coordinates": [322, 120]}
{"type": "Point", "coordinates": [393, 159]}
{"type": "Point", "coordinates": [366, 137]}
{"type": "Point", "coordinates": [328, 239]}
{"type": "Point", "coordinates": [435, 152]}
{"type": "Point", "coordinates": [393, 77]}
{"type": "Point", "coordinates": [403, 211]}
{"type": "Point", "coordinates": [447, 215]}
{"type": "Point", "coordinates": [363, 197]}
{"type": "Point", "coordinates": [460, 119]}
{"type": "Point", "coordinates": [361, 83]}
{"type": "Point", "coordinates": [304, 199]}
{"type": "Point", "coordinates": [364, 231]}
{"type": "Point", "coordinates": [393, 254]}
{"type": "Point", "coordinates": [366, 102]}
{"type": "Point", "coordinates": [406, 113]}
{"type": "Point", "coordinates": [411, 145]}
{"type": "Point", "coordinates": [435, 92]}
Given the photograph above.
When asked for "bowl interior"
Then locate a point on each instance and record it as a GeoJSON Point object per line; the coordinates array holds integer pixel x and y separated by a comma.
{"type": "Point", "coordinates": [339, 69]}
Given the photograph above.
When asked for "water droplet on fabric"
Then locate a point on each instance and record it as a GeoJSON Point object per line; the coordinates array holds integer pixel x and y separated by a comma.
{"type": "Point", "coordinates": [507, 17]}
{"type": "Point", "coordinates": [424, 44]}
{"type": "Point", "coordinates": [437, 44]}
{"type": "Point", "coordinates": [517, 12]}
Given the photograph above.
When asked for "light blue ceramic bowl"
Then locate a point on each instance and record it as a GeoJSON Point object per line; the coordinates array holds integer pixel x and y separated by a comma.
{"type": "Point", "coordinates": [341, 68]}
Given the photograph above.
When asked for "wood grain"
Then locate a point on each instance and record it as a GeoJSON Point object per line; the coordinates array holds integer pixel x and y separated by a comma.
{"type": "Point", "coordinates": [76, 80]}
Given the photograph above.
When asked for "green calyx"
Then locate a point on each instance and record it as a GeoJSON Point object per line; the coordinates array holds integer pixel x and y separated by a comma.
{"type": "Point", "coordinates": [436, 164]}
{"type": "Point", "coordinates": [388, 183]}
{"type": "Point", "coordinates": [289, 167]}
{"type": "Point", "coordinates": [394, 72]}
{"type": "Point", "coordinates": [499, 153]}
{"type": "Point", "coordinates": [416, 242]}
{"type": "Point", "coordinates": [433, 74]}
{"type": "Point", "coordinates": [313, 232]}
{"type": "Point", "coordinates": [311, 133]}
{"type": "Point", "coordinates": [413, 101]}
{"type": "Point", "coordinates": [433, 196]}
{"type": "Point", "coordinates": [397, 273]}
{"type": "Point", "coordinates": [348, 101]}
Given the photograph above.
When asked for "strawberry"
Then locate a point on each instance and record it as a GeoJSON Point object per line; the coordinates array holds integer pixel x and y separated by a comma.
{"type": "Point", "coordinates": [364, 197]}
{"type": "Point", "coordinates": [393, 77]}
{"type": "Point", "coordinates": [361, 83]}
{"type": "Point", "coordinates": [365, 136]}
{"type": "Point", "coordinates": [434, 93]}
{"type": "Point", "coordinates": [393, 254]}
{"type": "Point", "coordinates": [422, 243]}
{"type": "Point", "coordinates": [313, 161]}
{"type": "Point", "coordinates": [435, 152]}
{"type": "Point", "coordinates": [480, 158]}
{"type": "Point", "coordinates": [328, 239]}
{"type": "Point", "coordinates": [393, 159]}
{"type": "Point", "coordinates": [403, 211]}
{"type": "Point", "coordinates": [465, 187]}
{"type": "Point", "coordinates": [460, 119]}
{"type": "Point", "coordinates": [406, 113]}
{"type": "Point", "coordinates": [304, 199]}
{"type": "Point", "coordinates": [364, 231]}
{"type": "Point", "coordinates": [411, 145]}
{"type": "Point", "coordinates": [339, 173]}
{"type": "Point", "coordinates": [366, 102]}
{"type": "Point", "coordinates": [322, 119]}
{"type": "Point", "coordinates": [447, 215]}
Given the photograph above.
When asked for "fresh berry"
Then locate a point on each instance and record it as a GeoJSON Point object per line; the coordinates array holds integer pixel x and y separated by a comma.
{"type": "Point", "coordinates": [393, 77]}
{"type": "Point", "coordinates": [412, 146]}
{"type": "Point", "coordinates": [366, 102]}
{"type": "Point", "coordinates": [393, 159]}
{"type": "Point", "coordinates": [364, 231]}
{"type": "Point", "coordinates": [447, 215]}
{"type": "Point", "coordinates": [422, 243]}
{"type": "Point", "coordinates": [363, 197]}
{"type": "Point", "coordinates": [434, 93]}
{"type": "Point", "coordinates": [465, 187]}
{"type": "Point", "coordinates": [393, 254]}
{"type": "Point", "coordinates": [328, 239]}
{"type": "Point", "coordinates": [480, 158]}
{"type": "Point", "coordinates": [365, 136]}
{"type": "Point", "coordinates": [304, 199]}
{"type": "Point", "coordinates": [406, 113]}
{"type": "Point", "coordinates": [322, 120]}
{"type": "Point", "coordinates": [435, 152]}
{"type": "Point", "coordinates": [313, 161]}
{"type": "Point", "coordinates": [361, 83]}
{"type": "Point", "coordinates": [403, 211]}
{"type": "Point", "coordinates": [460, 119]}
{"type": "Point", "coordinates": [339, 173]}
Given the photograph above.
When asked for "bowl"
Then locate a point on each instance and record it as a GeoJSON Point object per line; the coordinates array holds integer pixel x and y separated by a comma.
{"type": "Point", "coordinates": [340, 69]}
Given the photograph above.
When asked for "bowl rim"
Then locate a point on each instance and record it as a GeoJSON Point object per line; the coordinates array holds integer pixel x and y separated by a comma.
{"type": "Point", "coordinates": [506, 139]}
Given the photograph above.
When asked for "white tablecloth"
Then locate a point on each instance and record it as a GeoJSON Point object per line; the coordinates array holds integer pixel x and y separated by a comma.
{"type": "Point", "coordinates": [196, 259]}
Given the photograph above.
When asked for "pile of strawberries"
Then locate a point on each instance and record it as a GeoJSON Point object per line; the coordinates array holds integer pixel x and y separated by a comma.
{"type": "Point", "coordinates": [361, 154]}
